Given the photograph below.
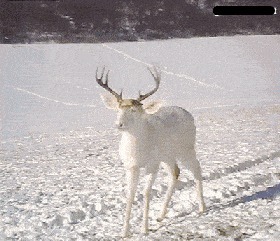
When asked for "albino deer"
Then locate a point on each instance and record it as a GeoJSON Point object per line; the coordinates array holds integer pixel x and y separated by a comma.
{"type": "Point", "coordinates": [152, 135]}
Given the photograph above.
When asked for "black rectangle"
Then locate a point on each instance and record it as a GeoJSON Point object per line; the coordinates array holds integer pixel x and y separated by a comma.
{"type": "Point", "coordinates": [244, 10]}
{"type": "Point", "coordinates": [33, 1]}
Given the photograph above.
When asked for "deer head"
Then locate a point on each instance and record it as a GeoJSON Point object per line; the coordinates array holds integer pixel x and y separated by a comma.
{"type": "Point", "coordinates": [130, 111]}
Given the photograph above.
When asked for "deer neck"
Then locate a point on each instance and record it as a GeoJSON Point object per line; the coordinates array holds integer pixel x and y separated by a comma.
{"type": "Point", "coordinates": [139, 131]}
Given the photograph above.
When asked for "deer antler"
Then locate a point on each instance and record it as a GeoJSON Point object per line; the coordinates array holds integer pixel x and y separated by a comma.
{"type": "Point", "coordinates": [157, 78]}
{"type": "Point", "coordinates": [105, 85]}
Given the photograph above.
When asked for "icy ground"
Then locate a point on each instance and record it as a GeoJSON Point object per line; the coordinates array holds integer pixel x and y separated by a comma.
{"type": "Point", "coordinates": [61, 177]}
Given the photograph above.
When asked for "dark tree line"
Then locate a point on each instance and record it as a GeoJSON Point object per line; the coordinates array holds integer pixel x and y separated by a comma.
{"type": "Point", "coordinates": [129, 20]}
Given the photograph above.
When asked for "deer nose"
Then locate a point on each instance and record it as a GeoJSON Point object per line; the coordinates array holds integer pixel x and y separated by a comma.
{"type": "Point", "coordinates": [119, 125]}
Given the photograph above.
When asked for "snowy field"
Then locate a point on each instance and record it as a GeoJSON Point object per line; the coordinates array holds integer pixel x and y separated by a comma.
{"type": "Point", "coordinates": [61, 177]}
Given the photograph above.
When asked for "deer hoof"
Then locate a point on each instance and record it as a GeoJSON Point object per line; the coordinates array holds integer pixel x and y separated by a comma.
{"type": "Point", "coordinates": [144, 231]}
{"type": "Point", "coordinates": [202, 209]}
{"type": "Point", "coordinates": [125, 234]}
{"type": "Point", "coordinates": [160, 219]}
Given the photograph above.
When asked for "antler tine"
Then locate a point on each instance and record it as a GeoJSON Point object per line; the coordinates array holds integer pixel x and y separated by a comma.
{"type": "Point", "coordinates": [150, 70]}
{"type": "Point", "coordinates": [105, 85]}
{"type": "Point", "coordinates": [157, 78]}
{"type": "Point", "coordinates": [96, 73]}
{"type": "Point", "coordinates": [121, 94]}
{"type": "Point", "coordinates": [107, 77]}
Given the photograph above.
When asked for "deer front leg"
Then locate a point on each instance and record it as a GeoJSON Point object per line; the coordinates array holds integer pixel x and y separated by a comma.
{"type": "Point", "coordinates": [147, 193]}
{"type": "Point", "coordinates": [132, 179]}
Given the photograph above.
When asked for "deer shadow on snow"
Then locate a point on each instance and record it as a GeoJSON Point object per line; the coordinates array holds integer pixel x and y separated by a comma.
{"type": "Point", "coordinates": [268, 193]}
{"type": "Point", "coordinates": [242, 166]}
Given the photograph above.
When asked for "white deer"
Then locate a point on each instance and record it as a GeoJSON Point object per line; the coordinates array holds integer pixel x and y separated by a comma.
{"type": "Point", "coordinates": [152, 135]}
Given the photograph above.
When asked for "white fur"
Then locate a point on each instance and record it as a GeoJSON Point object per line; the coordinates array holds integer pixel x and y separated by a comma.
{"type": "Point", "coordinates": [150, 136]}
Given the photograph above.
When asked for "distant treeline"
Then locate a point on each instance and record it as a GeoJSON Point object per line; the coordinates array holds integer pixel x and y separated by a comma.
{"type": "Point", "coordinates": [68, 21]}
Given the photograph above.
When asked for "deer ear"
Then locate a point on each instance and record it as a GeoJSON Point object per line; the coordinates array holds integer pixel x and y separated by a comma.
{"type": "Point", "coordinates": [152, 107]}
{"type": "Point", "coordinates": [110, 101]}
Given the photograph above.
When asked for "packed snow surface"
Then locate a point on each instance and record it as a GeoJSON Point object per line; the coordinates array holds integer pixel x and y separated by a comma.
{"type": "Point", "coordinates": [61, 177]}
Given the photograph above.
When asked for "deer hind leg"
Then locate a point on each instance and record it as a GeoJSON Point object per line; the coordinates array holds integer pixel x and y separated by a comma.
{"type": "Point", "coordinates": [147, 193]}
{"type": "Point", "coordinates": [174, 173]}
{"type": "Point", "coordinates": [132, 178]}
{"type": "Point", "coordinates": [194, 166]}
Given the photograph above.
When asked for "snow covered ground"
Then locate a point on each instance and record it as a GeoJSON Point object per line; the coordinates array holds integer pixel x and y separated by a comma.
{"type": "Point", "coordinates": [61, 177]}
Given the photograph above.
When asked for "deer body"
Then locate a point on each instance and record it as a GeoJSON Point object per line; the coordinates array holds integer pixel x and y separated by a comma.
{"type": "Point", "coordinates": [152, 135]}
{"type": "Point", "coordinates": [160, 137]}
